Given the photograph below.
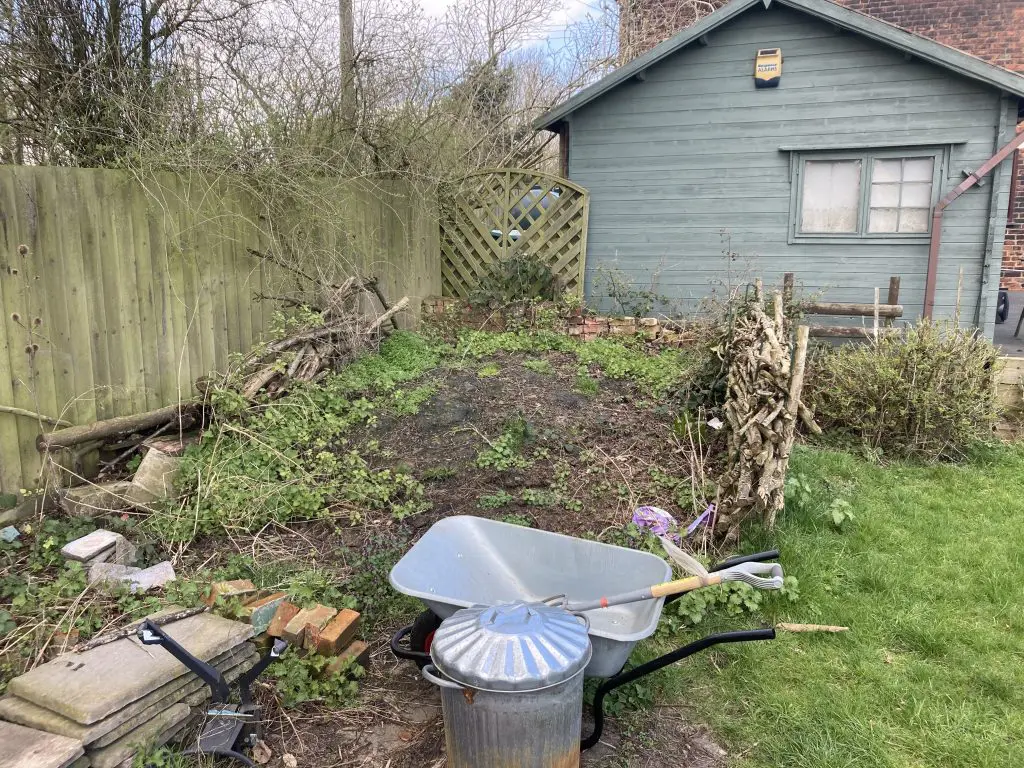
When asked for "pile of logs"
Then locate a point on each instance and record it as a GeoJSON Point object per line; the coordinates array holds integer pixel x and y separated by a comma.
{"type": "Point", "coordinates": [762, 408]}
{"type": "Point", "coordinates": [348, 330]}
{"type": "Point", "coordinates": [356, 315]}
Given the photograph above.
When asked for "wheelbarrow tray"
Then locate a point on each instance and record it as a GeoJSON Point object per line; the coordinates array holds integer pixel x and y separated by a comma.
{"type": "Point", "coordinates": [463, 561]}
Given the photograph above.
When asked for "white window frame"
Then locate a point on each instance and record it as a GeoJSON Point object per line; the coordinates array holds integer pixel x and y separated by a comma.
{"type": "Point", "coordinates": [867, 158]}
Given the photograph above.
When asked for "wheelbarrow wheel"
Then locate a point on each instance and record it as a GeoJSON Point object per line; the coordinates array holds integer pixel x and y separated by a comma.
{"type": "Point", "coordinates": [422, 634]}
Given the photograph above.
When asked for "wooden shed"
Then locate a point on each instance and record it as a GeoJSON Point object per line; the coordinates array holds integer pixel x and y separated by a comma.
{"type": "Point", "coordinates": [697, 176]}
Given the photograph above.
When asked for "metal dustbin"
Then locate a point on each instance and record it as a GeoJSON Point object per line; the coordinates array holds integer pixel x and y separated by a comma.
{"type": "Point", "coordinates": [511, 680]}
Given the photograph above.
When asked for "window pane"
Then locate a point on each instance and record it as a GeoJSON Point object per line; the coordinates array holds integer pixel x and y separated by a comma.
{"type": "Point", "coordinates": [884, 220]}
{"type": "Point", "coordinates": [916, 196]}
{"type": "Point", "coordinates": [885, 195]}
{"type": "Point", "coordinates": [919, 169]}
{"type": "Point", "coordinates": [913, 220]}
{"type": "Point", "coordinates": [831, 196]}
{"type": "Point", "coordinates": [888, 170]}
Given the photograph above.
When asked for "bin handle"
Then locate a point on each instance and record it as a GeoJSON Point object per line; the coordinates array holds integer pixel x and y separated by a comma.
{"type": "Point", "coordinates": [428, 675]}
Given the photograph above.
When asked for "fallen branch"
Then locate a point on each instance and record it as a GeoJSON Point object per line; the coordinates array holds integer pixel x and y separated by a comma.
{"type": "Point", "coordinates": [121, 425]}
{"type": "Point", "coordinates": [131, 629]}
{"type": "Point", "coordinates": [388, 315]}
{"type": "Point", "coordinates": [32, 415]}
{"type": "Point", "coordinates": [785, 627]}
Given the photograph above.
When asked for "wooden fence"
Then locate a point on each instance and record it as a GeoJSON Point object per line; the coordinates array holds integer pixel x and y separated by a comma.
{"type": "Point", "coordinates": [117, 295]}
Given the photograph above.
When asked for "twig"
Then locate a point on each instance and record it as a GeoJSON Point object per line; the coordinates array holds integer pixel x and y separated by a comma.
{"type": "Point", "coordinates": [810, 628]}
{"type": "Point", "coordinates": [32, 415]}
{"type": "Point", "coordinates": [389, 315]}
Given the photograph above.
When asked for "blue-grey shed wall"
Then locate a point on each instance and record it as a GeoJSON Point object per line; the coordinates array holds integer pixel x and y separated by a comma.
{"type": "Point", "coordinates": [686, 165]}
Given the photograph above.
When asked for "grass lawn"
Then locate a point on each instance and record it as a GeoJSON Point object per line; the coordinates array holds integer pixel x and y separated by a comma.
{"type": "Point", "coordinates": [929, 577]}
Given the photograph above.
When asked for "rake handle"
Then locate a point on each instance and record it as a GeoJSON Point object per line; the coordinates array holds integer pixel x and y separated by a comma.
{"type": "Point", "coordinates": [679, 586]}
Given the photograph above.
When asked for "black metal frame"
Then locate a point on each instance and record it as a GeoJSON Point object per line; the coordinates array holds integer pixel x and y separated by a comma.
{"type": "Point", "coordinates": [233, 726]}
{"type": "Point", "coordinates": [623, 678]}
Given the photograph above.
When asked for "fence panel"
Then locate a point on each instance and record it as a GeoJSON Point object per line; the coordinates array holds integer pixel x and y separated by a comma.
{"type": "Point", "coordinates": [126, 291]}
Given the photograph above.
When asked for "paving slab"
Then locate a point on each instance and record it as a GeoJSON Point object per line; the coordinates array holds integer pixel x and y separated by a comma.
{"type": "Point", "coordinates": [96, 500]}
{"type": "Point", "coordinates": [151, 734]}
{"type": "Point", "coordinates": [26, 713]}
{"type": "Point", "coordinates": [91, 545]}
{"type": "Point", "coordinates": [87, 687]}
{"type": "Point", "coordinates": [154, 479]}
{"type": "Point", "coordinates": [28, 748]}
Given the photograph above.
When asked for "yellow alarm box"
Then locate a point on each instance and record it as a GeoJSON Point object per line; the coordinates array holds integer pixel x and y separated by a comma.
{"type": "Point", "coordinates": [768, 69]}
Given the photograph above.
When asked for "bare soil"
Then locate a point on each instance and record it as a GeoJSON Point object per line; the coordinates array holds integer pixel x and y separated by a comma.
{"type": "Point", "coordinates": [599, 455]}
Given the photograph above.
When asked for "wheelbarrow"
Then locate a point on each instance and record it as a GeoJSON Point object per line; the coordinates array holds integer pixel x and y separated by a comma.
{"type": "Point", "coordinates": [464, 561]}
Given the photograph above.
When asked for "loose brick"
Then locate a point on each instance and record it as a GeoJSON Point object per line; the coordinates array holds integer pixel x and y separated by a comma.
{"type": "Point", "coordinates": [285, 612]}
{"type": "Point", "coordinates": [358, 650]}
{"type": "Point", "coordinates": [261, 612]}
{"type": "Point", "coordinates": [234, 588]}
{"type": "Point", "coordinates": [338, 633]}
{"type": "Point", "coordinates": [317, 616]}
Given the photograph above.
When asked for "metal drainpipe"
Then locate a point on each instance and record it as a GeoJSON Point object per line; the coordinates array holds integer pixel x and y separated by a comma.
{"type": "Point", "coordinates": [944, 203]}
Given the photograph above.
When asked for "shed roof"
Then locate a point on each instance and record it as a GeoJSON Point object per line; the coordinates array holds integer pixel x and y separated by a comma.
{"type": "Point", "coordinates": [868, 26]}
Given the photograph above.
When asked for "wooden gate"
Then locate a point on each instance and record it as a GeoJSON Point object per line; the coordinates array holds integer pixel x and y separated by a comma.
{"type": "Point", "coordinates": [504, 213]}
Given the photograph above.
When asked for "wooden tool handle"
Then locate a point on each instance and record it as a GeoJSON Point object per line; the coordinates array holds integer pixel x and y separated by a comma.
{"type": "Point", "coordinates": [685, 585]}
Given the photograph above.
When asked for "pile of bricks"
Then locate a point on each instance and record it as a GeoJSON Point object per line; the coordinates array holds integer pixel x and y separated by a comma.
{"type": "Point", "coordinates": [585, 327]}
{"type": "Point", "coordinates": [319, 629]}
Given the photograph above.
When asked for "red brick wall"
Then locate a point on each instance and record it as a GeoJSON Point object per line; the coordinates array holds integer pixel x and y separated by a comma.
{"type": "Point", "coordinates": [989, 29]}
{"type": "Point", "coordinates": [1013, 254]}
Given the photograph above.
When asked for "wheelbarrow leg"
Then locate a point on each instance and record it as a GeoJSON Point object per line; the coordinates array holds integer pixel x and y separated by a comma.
{"type": "Point", "coordinates": [661, 662]}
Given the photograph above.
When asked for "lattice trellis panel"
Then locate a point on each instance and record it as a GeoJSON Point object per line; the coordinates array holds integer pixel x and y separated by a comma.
{"type": "Point", "coordinates": [501, 213]}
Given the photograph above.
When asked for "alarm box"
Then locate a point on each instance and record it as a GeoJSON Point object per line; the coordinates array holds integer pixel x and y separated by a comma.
{"type": "Point", "coordinates": [768, 69]}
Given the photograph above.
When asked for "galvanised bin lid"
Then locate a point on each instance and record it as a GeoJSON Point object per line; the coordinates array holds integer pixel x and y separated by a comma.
{"type": "Point", "coordinates": [516, 647]}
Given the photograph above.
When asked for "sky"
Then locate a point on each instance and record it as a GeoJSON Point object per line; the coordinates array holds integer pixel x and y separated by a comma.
{"type": "Point", "coordinates": [568, 12]}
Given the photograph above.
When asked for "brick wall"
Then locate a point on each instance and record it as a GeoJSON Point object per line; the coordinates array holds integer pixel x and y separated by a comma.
{"type": "Point", "coordinates": [992, 30]}
{"type": "Point", "coordinates": [1013, 255]}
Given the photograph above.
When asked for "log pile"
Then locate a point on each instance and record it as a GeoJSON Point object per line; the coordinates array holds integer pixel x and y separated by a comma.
{"type": "Point", "coordinates": [310, 354]}
{"type": "Point", "coordinates": [356, 315]}
{"type": "Point", "coordinates": [762, 410]}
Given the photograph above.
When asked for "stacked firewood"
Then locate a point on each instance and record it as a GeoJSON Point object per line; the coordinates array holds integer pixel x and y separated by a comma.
{"type": "Point", "coordinates": [762, 408]}
{"type": "Point", "coordinates": [348, 330]}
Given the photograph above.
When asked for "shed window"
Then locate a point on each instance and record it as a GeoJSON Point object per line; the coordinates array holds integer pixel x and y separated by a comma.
{"type": "Point", "coordinates": [864, 195]}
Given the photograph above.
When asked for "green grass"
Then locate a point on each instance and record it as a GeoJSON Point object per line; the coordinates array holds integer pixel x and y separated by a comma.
{"type": "Point", "coordinates": [928, 576]}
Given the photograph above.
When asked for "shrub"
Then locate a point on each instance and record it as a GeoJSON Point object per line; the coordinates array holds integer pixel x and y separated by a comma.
{"type": "Point", "coordinates": [925, 393]}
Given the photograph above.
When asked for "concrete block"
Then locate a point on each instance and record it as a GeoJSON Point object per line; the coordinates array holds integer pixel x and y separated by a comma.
{"type": "Point", "coordinates": [92, 545]}
{"type": "Point", "coordinates": [316, 617]}
{"type": "Point", "coordinates": [28, 748]}
{"type": "Point", "coordinates": [285, 613]}
{"type": "Point", "coordinates": [260, 613]}
{"type": "Point", "coordinates": [339, 632]}
{"type": "Point", "coordinates": [96, 500]}
{"type": "Point", "coordinates": [87, 687]}
{"type": "Point", "coordinates": [154, 479]}
{"type": "Point", "coordinates": [153, 577]}
{"type": "Point", "coordinates": [358, 650]}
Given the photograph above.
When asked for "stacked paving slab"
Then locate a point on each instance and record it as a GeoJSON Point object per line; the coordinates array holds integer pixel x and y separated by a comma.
{"type": "Point", "coordinates": [98, 707]}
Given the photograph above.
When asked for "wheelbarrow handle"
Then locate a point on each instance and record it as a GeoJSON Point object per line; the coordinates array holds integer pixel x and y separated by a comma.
{"type": "Point", "coordinates": [407, 653]}
{"type": "Point", "coordinates": [758, 557]}
{"type": "Point", "coordinates": [661, 662]}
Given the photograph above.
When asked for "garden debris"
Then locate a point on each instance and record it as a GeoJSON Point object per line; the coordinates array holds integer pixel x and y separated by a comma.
{"type": "Point", "coordinates": [762, 407]}
{"type": "Point", "coordinates": [307, 621]}
{"type": "Point", "coordinates": [96, 500]}
{"type": "Point", "coordinates": [28, 748]}
{"type": "Point", "coordinates": [810, 628]}
{"type": "Point", "coordinates": [117, 696]}
{"type": "Point", "coordinates": [154, 479]}
{"type": "Point", "coordinates": [285, 613]}
{"type": "Point", "coordinates": [100, 546]}
{"type": "Point", "coordinates": [260, 612]}
{"type": "Point", "coordinates": [181, 415]}
{"type": "Point", "coordinates": [226, 589]}
{"type": "Point", "coordinates": [9, 534]}
{"type": "Point", "coordinates": [357, 651]}
{"type": "Point", "coordinates": [138, 579]}
{"type": "Point", "coordinates": [171, 446]}
{"type": "Point", "coordinates": [307, 355]}
{"type": "Point", "coordinates": [338, 633]}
